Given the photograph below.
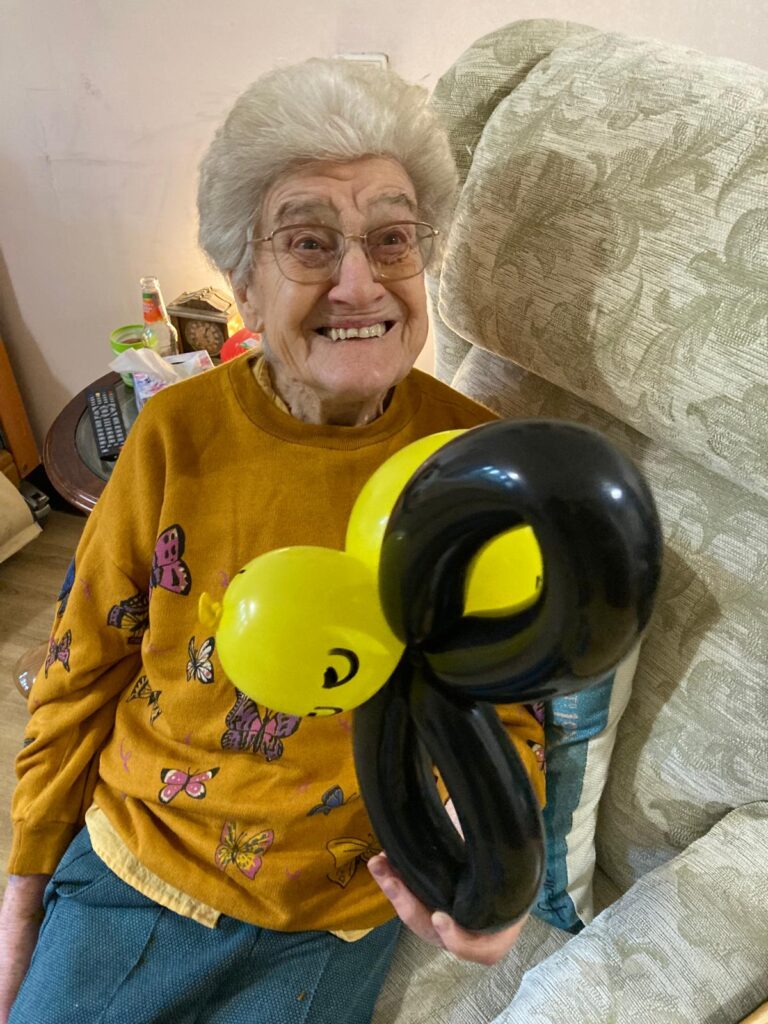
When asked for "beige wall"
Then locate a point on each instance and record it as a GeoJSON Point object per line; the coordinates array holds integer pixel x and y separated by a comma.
{"type": "Point", "coordinates": [106, 107]}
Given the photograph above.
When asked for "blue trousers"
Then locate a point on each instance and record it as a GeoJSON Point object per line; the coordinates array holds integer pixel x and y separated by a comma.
{"type": "Point", "coordinates": [108, 955]}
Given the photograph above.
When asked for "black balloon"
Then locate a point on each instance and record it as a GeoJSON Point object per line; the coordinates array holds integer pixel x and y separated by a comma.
{"type": "Point", "coordinates": [492, 876]}
{"type": "Point", "coordinates": [596, 525]}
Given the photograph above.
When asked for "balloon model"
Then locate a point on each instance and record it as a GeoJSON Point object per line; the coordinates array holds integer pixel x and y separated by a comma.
{"type": "Point", "coordinates": [596, 525]}
{"type": "Point", "coordinates": [513, 562]}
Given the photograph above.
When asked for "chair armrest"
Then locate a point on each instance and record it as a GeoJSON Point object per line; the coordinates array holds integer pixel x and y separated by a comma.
{"type": "Point", "coordinates": [688, 941]}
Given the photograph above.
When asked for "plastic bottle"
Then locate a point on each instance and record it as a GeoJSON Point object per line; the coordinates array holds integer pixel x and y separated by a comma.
{"type": "Point", "coordinates": [158, 329]}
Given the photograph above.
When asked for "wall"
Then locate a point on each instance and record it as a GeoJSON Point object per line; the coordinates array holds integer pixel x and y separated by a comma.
{"type": "Point", "coordinates": [108, 106]}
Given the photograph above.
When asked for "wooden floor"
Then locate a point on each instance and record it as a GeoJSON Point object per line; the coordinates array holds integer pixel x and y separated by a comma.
{"type": "Point", "coordinates": [29, 584]}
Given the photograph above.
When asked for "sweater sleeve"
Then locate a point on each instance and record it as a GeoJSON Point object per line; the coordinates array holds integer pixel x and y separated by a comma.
{"type": "Point", "coordinates": [94, 652]}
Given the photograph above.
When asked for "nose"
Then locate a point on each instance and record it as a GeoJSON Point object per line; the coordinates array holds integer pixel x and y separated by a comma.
{"type": "Point", "coordinates": [354, 283]}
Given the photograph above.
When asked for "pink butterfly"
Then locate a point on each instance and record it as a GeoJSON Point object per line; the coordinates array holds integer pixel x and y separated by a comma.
{"type": "Point", "coordinates": [242, 850]}
{"type": "Point", "coordinates": [175, 781]}
{"type": "Point", "coordinates": [58, 650]}
{"type": "Point", "coordinates": [169, 570]}
{"type": "Point", "coordinates": [250, 729]}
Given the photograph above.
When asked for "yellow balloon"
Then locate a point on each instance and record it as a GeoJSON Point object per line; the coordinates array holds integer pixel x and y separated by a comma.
{"type": "Point", "coordinates": [301, 630]}
{"type": "Point", "coordinates": [506, 575]}
{"type": "Point", "coordinates": [370, 513]}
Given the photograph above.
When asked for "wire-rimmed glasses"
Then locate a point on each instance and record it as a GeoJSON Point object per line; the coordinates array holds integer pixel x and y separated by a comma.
{"type": "Point", "coordinates": [312, 253]}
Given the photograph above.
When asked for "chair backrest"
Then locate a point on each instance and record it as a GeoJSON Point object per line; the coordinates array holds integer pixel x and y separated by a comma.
{"type": "Point", "coordinates": [608, 263]}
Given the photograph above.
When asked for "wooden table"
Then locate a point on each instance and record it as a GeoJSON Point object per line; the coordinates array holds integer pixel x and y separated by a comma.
{"type": "Point", "coordinates": [69, 453]}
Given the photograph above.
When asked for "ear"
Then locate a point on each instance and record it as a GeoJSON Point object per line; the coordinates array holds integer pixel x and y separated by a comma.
{"type": "Point", "coordinates": [247, 303]}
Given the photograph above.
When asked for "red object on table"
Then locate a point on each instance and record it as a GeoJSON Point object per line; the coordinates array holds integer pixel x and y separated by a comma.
{"type": "Point", "coordinates": [241, 342]}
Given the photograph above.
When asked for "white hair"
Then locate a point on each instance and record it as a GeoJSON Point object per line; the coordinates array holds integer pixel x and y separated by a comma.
{"type": "Point", "coordinates": [332, 110]}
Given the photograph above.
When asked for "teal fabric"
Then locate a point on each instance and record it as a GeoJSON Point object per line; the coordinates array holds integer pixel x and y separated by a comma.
{"type": "Point", "coordinates": [127, 959]}
{"type": "Point", "coordinates": [570, 723]}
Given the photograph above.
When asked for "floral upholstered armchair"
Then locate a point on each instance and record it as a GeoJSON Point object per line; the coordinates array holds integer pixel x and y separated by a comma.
{"type": "Point", "coordinates": [608, 264]}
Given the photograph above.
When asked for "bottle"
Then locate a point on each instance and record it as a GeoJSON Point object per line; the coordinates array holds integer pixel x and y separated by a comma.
{"type": "Point", "coordinates": [159, 333]}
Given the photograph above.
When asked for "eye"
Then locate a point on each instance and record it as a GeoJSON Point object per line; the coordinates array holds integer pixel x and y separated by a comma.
{"type": "Point", "coordinates": [392, 242]}
{"type": "Point", "coordinates": [306, 243]}
{"type": "Point", "coordinates": [331, 676]}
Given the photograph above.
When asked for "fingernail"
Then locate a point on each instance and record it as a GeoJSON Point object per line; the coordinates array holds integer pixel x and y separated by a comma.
{"type": "Point", "coordinates": [440, 921]}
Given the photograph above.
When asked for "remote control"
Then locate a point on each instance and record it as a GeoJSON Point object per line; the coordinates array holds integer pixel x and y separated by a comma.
{"type": "Point", "coordinates": [107, 422]}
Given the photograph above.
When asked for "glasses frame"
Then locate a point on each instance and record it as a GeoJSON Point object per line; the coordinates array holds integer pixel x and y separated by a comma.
{"type": "Point", "coordinates": [361, 239]}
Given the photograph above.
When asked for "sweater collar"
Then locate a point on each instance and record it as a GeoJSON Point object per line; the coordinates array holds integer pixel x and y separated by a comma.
{"type": "Point", "coordinates": [259, 404]}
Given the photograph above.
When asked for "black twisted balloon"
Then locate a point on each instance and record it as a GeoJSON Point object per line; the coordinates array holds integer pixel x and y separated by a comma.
{"type": "Point", "coordinates": [598, 530]}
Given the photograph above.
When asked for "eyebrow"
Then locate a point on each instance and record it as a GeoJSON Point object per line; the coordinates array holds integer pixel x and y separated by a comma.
{"type": "Point", "coordinates": [292, 208]}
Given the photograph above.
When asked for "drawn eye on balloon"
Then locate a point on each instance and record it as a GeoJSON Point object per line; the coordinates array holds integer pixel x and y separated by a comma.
{"type": "Point", "coordinates": [599, 541]}
{"type": "Point", "coordinates": [331, 677]}
{"type": "Point", "coordinates": [301, 629]}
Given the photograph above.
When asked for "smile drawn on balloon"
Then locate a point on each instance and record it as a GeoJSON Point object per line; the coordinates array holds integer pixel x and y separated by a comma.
{"type": "Point", "coordinates": [323, 710]}
{"type": "Point", "coordinates": [331, 676]}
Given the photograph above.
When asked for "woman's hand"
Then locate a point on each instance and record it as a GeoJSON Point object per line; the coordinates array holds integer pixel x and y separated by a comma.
{"type": "Point", "coordinates": [20, 919]}
{"type": "Point", "coordinates": [436, 927]}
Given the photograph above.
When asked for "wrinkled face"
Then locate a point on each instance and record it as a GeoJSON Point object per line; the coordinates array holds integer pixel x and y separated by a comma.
{"type": "Point", "coordinates": [297, 320]}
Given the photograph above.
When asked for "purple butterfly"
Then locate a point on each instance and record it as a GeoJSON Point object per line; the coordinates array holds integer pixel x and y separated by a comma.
{"type": "Point", "coordinates": [169, 570]}
{"type": "Point", "coordinates": [58, 650]}
{"type": "Point", "coordinates": [537, 710]}
{"type": "Point", "coordinates": [248, 729]}
{"type": "Point", "coordinates": [131, 614]}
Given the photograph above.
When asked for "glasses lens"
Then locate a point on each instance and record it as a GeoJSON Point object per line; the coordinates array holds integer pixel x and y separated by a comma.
{"type": "Point", "coordinates": [307, 252]}
{"type": "Point", "coordinates": [311, 253]}
{"type": "Point", "coordinates": [400, 250]}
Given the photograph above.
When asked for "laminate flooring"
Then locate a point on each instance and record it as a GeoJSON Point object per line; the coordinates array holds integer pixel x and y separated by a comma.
{"type": "Point", "coordinates": [29, 583]}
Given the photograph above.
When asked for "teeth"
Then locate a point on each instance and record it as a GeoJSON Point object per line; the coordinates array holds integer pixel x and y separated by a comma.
{"type": "Point", "coordinates": [342, 333]}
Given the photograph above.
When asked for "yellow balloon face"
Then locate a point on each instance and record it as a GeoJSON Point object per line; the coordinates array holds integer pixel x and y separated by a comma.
{"type": "Point", "coordinates": [371, 511]}
{"type": "Point", "coordinates": [506, 575]}
{"type": "Point", "coordinates": [301, 630]}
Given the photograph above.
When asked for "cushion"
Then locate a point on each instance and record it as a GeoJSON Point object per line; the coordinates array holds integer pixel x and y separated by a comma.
{"type": "Point", "coordinates": [688, 942]}
{"type": "Point", "coordinates": [611, 239]}
{"type": "Point", "coordinates": [580, 731]}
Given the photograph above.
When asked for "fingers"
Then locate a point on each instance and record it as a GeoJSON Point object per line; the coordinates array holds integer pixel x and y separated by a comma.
{"type": "Point", "coordinates": [480, 949]}
{"type": "Point", "coordinates": [439, 928]}
{"type": "Point", "coordinates": [411, 911]}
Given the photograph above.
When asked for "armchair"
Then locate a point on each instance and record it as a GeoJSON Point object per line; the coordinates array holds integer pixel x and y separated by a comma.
{"type": "Point", "coordinates": [608, 264]}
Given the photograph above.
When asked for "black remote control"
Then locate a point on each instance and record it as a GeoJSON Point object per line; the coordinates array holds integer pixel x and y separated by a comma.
{"type": "Point", "coordinates": [107, 422]}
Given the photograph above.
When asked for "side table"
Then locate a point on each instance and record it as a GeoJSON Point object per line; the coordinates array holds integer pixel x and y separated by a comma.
{"type": "Point", "coordinates": [69, 453]}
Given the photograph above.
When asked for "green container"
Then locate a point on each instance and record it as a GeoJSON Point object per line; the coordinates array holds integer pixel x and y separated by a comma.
{"type": "Point", "coordinates": [123, 338]}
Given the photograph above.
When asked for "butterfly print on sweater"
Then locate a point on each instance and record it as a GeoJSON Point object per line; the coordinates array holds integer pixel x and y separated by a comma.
{"type": "Point", "coordinates": [131, 614]}
{"type": "Point", "coordinates": [331, 799]}
{"type": "Point", "coordinates": [249, 728]}
{"type": "Point", "coordinates": [347, 853]}
{"type": "Point", "coordinates": [176, 781]}
{"type": "Point", "coordinates": [199, 664]}
{"type": "Point", "coordinates": [169, 570]}
{"type": "Point", "coordinates": [143, 691]}
{"type": "Point", "coordinates": [58, 650]}
{"type": "Point", "coordinates": [242, 850]}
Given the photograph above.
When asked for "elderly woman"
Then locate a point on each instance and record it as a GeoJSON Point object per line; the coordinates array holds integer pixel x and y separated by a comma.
{"type": "Point", "coordinates": [226, 869]}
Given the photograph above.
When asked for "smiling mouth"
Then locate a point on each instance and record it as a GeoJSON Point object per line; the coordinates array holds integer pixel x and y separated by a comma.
{"type": "Point", "coordinates": [345, 333]}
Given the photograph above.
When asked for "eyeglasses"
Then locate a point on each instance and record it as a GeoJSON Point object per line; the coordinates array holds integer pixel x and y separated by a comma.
{"type": "Point", "coordinates": [312, 253]}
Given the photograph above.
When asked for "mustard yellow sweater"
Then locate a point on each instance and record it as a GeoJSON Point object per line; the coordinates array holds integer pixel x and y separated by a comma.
{"type": "Point", "coordinates": [255, 814]}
